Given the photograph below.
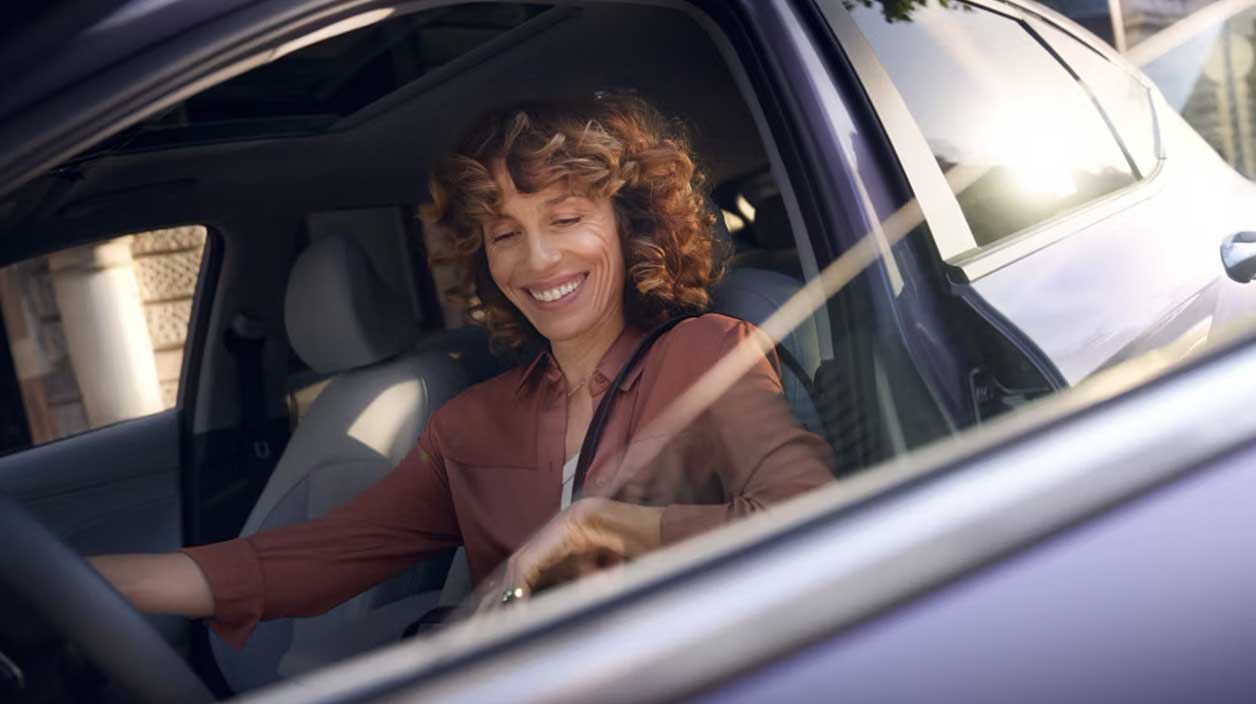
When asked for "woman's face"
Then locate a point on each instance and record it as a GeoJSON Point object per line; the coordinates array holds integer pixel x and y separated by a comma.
{"type": "Point", "coordinates": [557, 257]}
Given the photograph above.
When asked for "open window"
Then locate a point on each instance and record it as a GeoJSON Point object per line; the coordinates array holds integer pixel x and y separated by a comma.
{"type": "Point", "coordinates": [96, 333]}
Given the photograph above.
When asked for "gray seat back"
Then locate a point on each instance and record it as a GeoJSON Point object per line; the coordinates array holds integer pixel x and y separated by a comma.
{"type": "Point", "coordinates": [342, 318]}
{"type": "Point", "coordinates": [754, 295]}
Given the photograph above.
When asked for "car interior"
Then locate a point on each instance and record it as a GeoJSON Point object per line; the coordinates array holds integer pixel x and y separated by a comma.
{"type": "Point", "coordinates": [319, 341]}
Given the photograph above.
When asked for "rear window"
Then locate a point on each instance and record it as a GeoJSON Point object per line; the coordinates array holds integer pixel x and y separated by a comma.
{"type": "Point", "coordinates": [1126, 101]}
{"type": "Point", "coordinates": [1020, 139]}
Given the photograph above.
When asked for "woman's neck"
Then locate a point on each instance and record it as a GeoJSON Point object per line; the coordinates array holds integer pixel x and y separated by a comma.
{"type": "Point", "coordinates": [578, 357]}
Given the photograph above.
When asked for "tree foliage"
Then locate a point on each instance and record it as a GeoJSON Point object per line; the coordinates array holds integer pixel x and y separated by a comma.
{"type": "Point", "coordinates": [900, 10]}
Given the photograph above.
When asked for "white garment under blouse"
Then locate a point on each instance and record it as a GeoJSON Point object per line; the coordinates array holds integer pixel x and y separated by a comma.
{"type": "Point", "coordinates": [569, 481]}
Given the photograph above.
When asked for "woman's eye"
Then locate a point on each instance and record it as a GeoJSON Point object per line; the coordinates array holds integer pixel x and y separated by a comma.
{"type": "Point", "coordinates": [564, 222]}
{"type": "Point", "coordinates": [503, 236]}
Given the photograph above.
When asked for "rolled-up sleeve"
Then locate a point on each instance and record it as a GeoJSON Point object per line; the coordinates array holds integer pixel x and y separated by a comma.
{"type": "Point", "coordinates": [307, 568]}
{"type": "Point", "coordinates": [760, 451]}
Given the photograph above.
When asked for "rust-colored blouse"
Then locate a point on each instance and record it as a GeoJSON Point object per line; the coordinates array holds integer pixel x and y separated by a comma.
{"type": "Point", "coordinates": [487, 474]}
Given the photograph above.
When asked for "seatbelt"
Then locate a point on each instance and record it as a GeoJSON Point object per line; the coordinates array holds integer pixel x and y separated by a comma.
{"type": "Point", "coordinates": [790, 362]}
{"type": "Point", "coordinates": [246, 340]}
{"type": "Point", "coordinates": [593, 435]}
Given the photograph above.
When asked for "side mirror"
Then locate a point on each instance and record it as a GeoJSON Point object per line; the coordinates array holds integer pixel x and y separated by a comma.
{"type": "Point", "coordinates": [1238, 256]}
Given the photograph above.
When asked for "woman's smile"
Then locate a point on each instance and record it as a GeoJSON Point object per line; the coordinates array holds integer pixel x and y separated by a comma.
{"type": "Point", "coordinates": [558, 291]}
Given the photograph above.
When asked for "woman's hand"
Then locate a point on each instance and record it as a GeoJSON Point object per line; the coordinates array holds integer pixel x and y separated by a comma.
{"type": "Point", "coordinates": [590, 535]}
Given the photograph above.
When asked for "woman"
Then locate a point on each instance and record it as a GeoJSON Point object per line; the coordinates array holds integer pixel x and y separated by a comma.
{"type": "Point", "coordinates": [579, 229]}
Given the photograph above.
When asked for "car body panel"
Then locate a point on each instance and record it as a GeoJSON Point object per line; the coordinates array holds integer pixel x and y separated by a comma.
{"type": "Point", "coordinates": [1092, 614]}
{"type": "Point", "coordinates": [1145, 278]}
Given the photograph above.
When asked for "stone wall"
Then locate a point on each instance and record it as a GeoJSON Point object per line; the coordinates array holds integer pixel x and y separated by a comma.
{"type": "Point", "coordinates": [167, 263]}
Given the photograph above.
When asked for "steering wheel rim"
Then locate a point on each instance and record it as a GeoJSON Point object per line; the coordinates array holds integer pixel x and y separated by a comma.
{"type": "Point", "coordinates": [84, 608]}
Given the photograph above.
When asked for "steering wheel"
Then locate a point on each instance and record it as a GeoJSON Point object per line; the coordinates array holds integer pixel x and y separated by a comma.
{"type": "Point", "coordinates": [85, 609]}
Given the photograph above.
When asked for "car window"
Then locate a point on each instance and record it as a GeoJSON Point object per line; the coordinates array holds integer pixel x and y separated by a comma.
{"type": "Point", "coordinates": [1124, 99]}
{"type": "Point", "coordinates": [990, 99]}
{"type": "Point", "coordinates": [95, 333]}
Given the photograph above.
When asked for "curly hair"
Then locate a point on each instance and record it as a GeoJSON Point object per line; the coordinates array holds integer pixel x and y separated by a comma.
{"type": "Point", "coordinates": [616, 147]}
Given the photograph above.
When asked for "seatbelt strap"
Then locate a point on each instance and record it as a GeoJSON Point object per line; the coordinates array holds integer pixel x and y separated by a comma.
{"type": "Point", "coordinates": [246, 340]}
{"type": "Point", "coordinates": [592, 436]}
{"type": "Point", "coordinates": [790, 362]}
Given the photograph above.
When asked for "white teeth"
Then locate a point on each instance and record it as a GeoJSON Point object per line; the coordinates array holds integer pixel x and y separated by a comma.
{"type": "Point", "coordinates": [557, 292]}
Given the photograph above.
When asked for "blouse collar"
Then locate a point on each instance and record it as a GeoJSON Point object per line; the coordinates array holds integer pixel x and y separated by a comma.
{"type": "Point", "coordinates": [614, 359]}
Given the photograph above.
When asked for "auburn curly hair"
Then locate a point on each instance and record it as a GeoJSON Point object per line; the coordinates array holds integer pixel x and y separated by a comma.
{"type": "Point", "coordinates": [616, 147]}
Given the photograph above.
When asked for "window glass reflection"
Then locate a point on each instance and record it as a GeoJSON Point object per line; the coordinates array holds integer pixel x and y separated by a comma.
{"type": "Point", "coordinates": [1126, 101]}
{"type": "Point", "coordinates": [989, 98]}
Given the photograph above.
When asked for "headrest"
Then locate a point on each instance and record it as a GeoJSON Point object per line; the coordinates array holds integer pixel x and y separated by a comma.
{"type": "Point", "coordinates": [338, 311]}
{"type": "Point", "coordinates": [771, 225]}
{"type": "Point", "coordinates": [720, 227]}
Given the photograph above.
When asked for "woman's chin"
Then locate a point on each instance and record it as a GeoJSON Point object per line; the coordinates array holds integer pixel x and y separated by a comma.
{"type": "Point", "coordinates": [562, 330]}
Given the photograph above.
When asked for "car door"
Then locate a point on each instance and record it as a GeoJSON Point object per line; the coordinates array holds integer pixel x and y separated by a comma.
{"type": "Point", "coordinates": [1083, 221]}
{"type": "Point", "coordinates": [101, 344]}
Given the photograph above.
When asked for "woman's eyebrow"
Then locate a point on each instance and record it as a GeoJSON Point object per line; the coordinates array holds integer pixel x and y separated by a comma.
{"type": "Point", "coordinates": [559, 199]}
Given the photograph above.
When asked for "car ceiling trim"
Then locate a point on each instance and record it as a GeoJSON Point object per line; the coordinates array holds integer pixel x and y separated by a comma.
{"type": "Point", "coordinates": [485, 54]}
{"type": "Point", "coordinates": [886, 552]}
{"type": "Point", "coordinates": [86, 114]}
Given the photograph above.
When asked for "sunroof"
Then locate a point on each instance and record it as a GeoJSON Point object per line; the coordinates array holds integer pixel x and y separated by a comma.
{"type": "Point", "coordinates": [308, 90]}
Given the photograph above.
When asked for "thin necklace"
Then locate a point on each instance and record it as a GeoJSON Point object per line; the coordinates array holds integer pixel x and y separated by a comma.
{"type": "Point", "coordinates": [572, 391]}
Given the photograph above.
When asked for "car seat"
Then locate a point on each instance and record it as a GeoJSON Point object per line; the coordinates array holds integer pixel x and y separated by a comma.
{"type": "Point", "coordinates": [342, 318]}
{"type": "Point", "coordinates": [758, 282]}
{"type": "Point", "coordinates": [769, 241]}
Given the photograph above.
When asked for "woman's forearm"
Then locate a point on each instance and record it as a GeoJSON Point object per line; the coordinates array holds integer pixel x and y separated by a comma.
{"type": "Point", "coordinates": [168, 583]}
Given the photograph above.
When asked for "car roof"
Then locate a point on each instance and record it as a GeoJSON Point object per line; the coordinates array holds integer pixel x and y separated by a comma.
{"type": "Point", "coordinates": [70, 40]}
{"type": "Point", "coordinates": [389, 142]}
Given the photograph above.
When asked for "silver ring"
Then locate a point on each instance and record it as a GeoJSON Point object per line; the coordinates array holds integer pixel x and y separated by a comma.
{"type": "Point", "coordinates": [512, 594]}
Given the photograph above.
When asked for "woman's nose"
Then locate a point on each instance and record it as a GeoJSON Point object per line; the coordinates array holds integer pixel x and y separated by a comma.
{"type": "Point", "coordinates": [542, 252]}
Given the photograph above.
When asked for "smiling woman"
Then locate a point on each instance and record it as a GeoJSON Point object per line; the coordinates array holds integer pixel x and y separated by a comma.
{"type": "Point", "coordinates": [580, 228]}
{"type": "Point", "coordinates": [617, 149]}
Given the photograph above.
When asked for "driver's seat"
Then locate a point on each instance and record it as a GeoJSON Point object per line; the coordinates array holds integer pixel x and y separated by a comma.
{"type": "Point", "coordinates": [342, 318]}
